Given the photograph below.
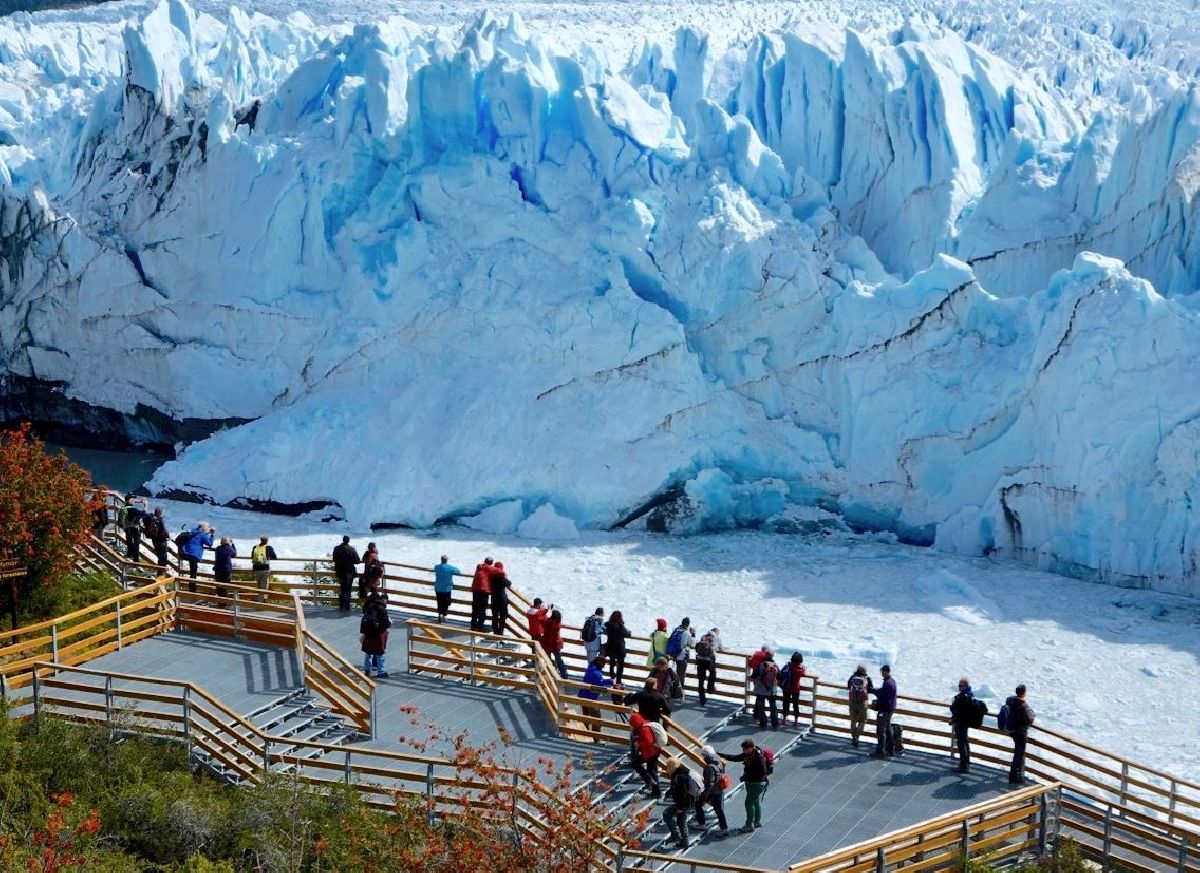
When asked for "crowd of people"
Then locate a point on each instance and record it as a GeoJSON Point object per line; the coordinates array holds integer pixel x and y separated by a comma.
{"type": "Point", "coordinates": [604, 638]}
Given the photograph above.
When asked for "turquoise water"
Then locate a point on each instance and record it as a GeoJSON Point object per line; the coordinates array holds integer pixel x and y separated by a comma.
{"type": "Point", "coordinates": [121, 471]}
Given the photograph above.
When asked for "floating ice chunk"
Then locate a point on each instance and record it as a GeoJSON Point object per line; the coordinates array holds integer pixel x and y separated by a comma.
{"type": "Point", "coordinates": [547, 524]}
{"type": "Point", "coordinates": [500, 519]}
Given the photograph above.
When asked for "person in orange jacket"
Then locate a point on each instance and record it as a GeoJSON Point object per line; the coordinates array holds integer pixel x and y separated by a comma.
{"type": "Point", "coordinates": [552, 642]}
{"type": "Point", "coordinates": [481, 593]}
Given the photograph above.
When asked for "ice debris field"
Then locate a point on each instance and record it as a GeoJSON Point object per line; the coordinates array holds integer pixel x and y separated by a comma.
{"type": "Point", "coordinates": [926, 269]}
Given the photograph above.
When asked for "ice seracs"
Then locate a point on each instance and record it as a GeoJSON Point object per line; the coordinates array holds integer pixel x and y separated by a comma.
{"type": "Point", "coordinates": [835, 274]}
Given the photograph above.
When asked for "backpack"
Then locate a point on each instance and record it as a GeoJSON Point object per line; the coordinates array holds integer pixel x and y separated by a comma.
{"type": "Point", "coordinates": [258, 554]}
{"type": "Point", "coordinates": [695, 789]}
{"type": "Point", "coordinates": [370, 623]}
{"type": "Point", "coordinates": [768, 760]}
{"type": "Point", "coordinates": [183, 538]}
{"type": "Point", "coordinates": [1004, 720]}
{"type": "Point", "coordinates": [151, 527]}
{"type": "Point", "coordinates": [978, 711]}
{"type": "Point", "coordinates": [858, 689]}
{"type": "Point", "coordinates": [374, 569]}
{"type": "Point", "coordinates": [704, 648]}
{"type": "Point", "coordinates": [676, 645]}
{"type": "Point", "coordinates": [768, 675]}
{"type": "Point", "coordinates": [724, 781]}
{"type": "Point", "coordinates": [674, 687]}
{"type": "Point", "coordinates": [591, 629]}
{"type": "Point", "coordinates": [660, 735]}
{"type": "Point", "coordinates": [787, 674]}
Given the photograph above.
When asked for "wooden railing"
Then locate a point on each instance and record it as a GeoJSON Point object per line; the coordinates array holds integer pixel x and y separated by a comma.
{"type": "Point", "coordinates": [1100, 785]}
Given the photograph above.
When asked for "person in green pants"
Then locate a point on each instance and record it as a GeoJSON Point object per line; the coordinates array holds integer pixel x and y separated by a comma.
{"type": "Point", "coordinates": [755, 770]}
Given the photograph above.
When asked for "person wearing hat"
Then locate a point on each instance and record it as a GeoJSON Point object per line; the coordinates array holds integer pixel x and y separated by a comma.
{"type": "Point", "coordinates": [665, 681]}
{"type": "Point", "coordinates": [765, 678]}
{"type": "Point", "coordinates": [858, 691]}
{"type": "Point", "coordinates": [754, 778]}
{"type": "Point", "coordinates": [658, 642]}
{"type": "Point", "coordinates": [650, 705]}
{"type": "Point", "coordinates": [713, 794]}
{"type": "Point", "coordinates": [682, 794]}
{"type": "Point", "coordinates": [885, 706]}
{"type": "Point", "coordinates": [536, 616]}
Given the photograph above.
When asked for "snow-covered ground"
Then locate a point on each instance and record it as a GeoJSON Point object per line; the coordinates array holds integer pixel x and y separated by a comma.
{"type": "Point", "coordinates": [1116, 668]}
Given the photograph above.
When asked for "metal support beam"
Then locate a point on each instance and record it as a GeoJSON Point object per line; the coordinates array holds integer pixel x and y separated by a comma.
{"type": "Point", "coordinates": [429, 817]}
{"type": "Point", "coordinates": [54, 643]}
{"type": "Point", "coordinates": [118, 625]}
{"type": "Point", "coordinates": [1106, 849]}
{"type": "Point", "coordinates": [187, 720]}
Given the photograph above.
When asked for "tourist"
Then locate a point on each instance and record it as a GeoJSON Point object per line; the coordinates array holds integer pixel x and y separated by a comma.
{"type": "Point", "coordinates": [373, 571]}
{"type": "Point", "coordinates": [756, 767]}
{"type": "Point", "coordinates": [191, 549]}
{"type": "Point", "coordinates": [553, 644]}
{"type": "Point", "coordinates": [658, 642]}
{"type": "Point", "coordinates": [962, 714]}
{"type": "Point", "coordinates": [1020, 720]}
{"type": "Point", "coordinates": [683, 791]}
{"type": "Point", "coordinates": [644, 749]}
{"type": "Point", "coordinates": [481, 593]}
{"type": "Point", "coordinates": [707, 648]}
{"type": "Point", "coordinates": [679, 648]}
{"type": "Point", "coordinates": [790, 677]}
{"type": "Point", "coordinates": [536, 616]}
{"type": "Point", "coordinates": [765, 679]}
{"type": "Point", "coordinates": [261, 557]}
{"type": "Point", "coordinates": [651, 705]}
{"type": "Point", "coordinates": [885, 707]}
{"type": "Point", "coordinates": [345, 567]}
{"type": "Point", "coordinates": [443, 586]}
{"type": "Point", "coordinates": [859, 687]}
{"type": "Point", "coordinates": [500, 584]}
{"type": "Point", "coordinates": [594, 677]}
{"type": "Point", "coordinates": [374, 630]}
{"type": "Point", "coordinates": [154, 526]}
{"type": "Point", "coordinates": [713, 794]}
{"type": "Point", "coordinates": [223, 565]}
{"type": "Point", "coordinates": [665, 681]}
{"type": "Point", "coordinates": [615, 635]}
{"type": "Point", "coordinates": [129, 519]}
{"type": "Point", "coordinates": [592, 634]}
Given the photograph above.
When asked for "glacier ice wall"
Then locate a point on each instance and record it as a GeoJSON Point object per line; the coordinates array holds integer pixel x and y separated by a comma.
{"type": "Point", "coordinates": [830, 276]}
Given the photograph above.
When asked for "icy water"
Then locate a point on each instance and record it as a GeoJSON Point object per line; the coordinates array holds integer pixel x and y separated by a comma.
{"type": "Point", "coordinates": [121, 471]}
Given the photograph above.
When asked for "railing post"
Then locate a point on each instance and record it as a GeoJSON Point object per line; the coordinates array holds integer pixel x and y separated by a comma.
{"type": "Point", "coordinates": [237, 618]}
{"type": "Point", "coordinates": [3, 687]}
{"type": "Point", "coordinates": [374, 714]}
{"type": "Point", "coordinates": [266, 759]}
{"type": "Point", "coordinates": [880, 861]}
{"type": "Point", "coordinates": [37, 695]}
{"type": "Point", "coordinates": [1124, 785]}
{"type": "Point", "coordinates": [472, 657]}
{"type": "Point", "coordinates": [124, 576]}
{"type": "Point", "coordinates": [118, 625]}
{"type": "Point", "coordinates": [1183, 852]}
{"type": "Point", "coordinates": [1106, 849]}
{"type": "Point", "coordinates": [619, 861]}
{"type": "Point", "coordinates": [346, 769]}
{"type": "Point", "coordinates": [966, 841]}
{"type": "Point", "coordinates": [813, 727]}
{"type": "Point", "coordinates": [1171, 799]}
{"type": "Point", "coordinates": [1043, 822]}
{"type": "Point", "coordinates": [54, 642]}
{"type": "Point", "coordinates": [515, 782]}
{"type": "Point", "coordinates": [187, 719]}
{"type": "Point", "coordinates": [108, 706]}
{"type": "Point", "coordinates": [429, 794]}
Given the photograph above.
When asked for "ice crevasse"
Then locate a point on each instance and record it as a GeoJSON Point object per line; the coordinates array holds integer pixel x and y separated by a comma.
{"type": "Point", "coordinates": [883, 281]}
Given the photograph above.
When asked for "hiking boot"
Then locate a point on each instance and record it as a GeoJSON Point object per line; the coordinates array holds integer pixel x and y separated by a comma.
{"type": "Point", "coordinates": [757, 825]}
{"type": "Point", "coordinates": [748, 829]}
{"type": "Point", "coordinates": [681, 844]}
{"type": "Point", "coordinates": [722, 832]}
{"type": "Point", "coordinates": [382, 675]}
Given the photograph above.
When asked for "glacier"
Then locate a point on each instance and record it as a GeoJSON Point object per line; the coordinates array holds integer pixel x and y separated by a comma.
{"type": "Point", "coordinates": [895, 273]}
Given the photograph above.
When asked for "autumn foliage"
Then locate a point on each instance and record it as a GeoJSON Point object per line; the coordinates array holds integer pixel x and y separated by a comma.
{"type": "Point", "coordinates": [45, 508]}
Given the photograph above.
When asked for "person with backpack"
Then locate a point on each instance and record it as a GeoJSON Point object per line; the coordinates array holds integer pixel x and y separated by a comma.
{"type": "Point", "coordinates": [963, 713]}
{"type": "Point", "coordinates": [858, 687]}
{"type": "Point", "coordinates": [345, 567]}
{"type": "Point", "coordinates": [374, 630]}
{"type": "Point", "coordinates": [552, 642]}
{"type": "Point", "coordinates": [592, 634]}
{"type": "Point", "coordinates": [706, 664]}
{"type": "Point", "coordinates": [765, 678]}
{"type": "Point", "coordinates": [191, 545]}
{"type": "Point", "coordinates": [536, 617]}
{"type": "Point", "coordinates": [683, 792]}
{"type": "Point", "coordinates": [443, 586]}
{"type": "Point", "coordinates": [1016, 718]}
{"type": "Point", "coordinates": [679, 648]}
{"type": "Point", "coordinates": [500, 584]}
{"type": "Point", "coordinates": [715, 783]}
{"type": "Point", "coordinates": [644, 750]}
{"type": "Point", "coordinates": [790, 677]}
{"type": "Point", "coordinates": [885, 707]}
{"type": "Point", "coordinates": [129, 519]}
{"type": "Point", "coordinates": [757, 765]}
{"type": "Point", "coordinates": [481, 594]}
{"type": "Point", "coordinates": [223, 565]}
{"type": "Point", "coordinates": [615, 635]}
{"type": "Point", "coordinates": [261, 557]}
{"type": "Point", "coordinates": [373, 569]}
{"type": "Point", "coordinates": [650, 704]}
{"type": "Point", "coordinates": [658, 642]}
{"type": "Point", "coordinates": [154, 526]}
{"type": "Point", "coordinates": [666, 682]}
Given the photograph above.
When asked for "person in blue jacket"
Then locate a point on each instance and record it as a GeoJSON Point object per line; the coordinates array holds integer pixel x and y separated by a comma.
{"type": "Point", "coordinates": [593, 676]}
{"type": "Point", "coordinates": [193, 550]}
{"type": "Point", "coordinates": [885, 706]}
{"type": "Point", "coordinates": [443, 586]}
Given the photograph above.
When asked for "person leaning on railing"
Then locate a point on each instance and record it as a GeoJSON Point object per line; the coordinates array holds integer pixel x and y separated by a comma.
{"type": "Point", "coordinates": [345, 567]}
{"type": "Point", "coordinates": [261, 557]}
{"type": "Point", "coordinates": [223, 565]}
{"type": "Point", "coordinates": [594, 677]}
{"type": "Point", "coordinates": [443, 586]}
{"type": "Point", "coordinates": [885, 707]}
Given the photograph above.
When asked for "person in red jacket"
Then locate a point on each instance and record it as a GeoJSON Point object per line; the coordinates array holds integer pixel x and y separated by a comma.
{"type": "Point", "coordinates": [537, 615]}
{"type": "Point", "coordinates": [643, 752]}
{"type": "Point", "coordinates": [552, 642]}
{"type": "Point", "coordinates": [481, 593]}
{"type": "Point", "coordinates": [790, 677]}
